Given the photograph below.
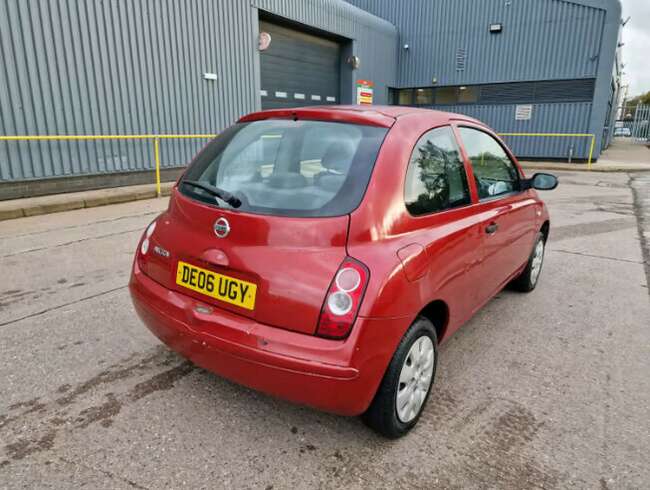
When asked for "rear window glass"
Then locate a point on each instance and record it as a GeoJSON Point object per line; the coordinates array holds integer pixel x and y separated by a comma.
{"type": "Point", "coordinates": [288, 168]}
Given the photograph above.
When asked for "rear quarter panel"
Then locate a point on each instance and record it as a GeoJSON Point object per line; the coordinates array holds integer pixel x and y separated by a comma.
{"type": "Point", "coordinates": [382, 226]}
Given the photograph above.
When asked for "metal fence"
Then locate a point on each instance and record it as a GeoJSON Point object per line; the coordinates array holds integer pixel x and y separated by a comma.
{"type": "Point", "coordinates": [641, 125]}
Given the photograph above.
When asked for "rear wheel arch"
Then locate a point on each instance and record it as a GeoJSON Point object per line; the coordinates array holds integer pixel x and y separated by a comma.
{"type": "Point", "coordinates": [382, 414]}
{"type": "Point", "coordinates": [545, 230]}
{"type": "Point", "coordinates": [437, 312]}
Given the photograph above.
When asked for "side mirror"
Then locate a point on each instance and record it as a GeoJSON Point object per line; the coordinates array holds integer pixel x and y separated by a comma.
{"type": "Point", "coordinates": [541, 182]}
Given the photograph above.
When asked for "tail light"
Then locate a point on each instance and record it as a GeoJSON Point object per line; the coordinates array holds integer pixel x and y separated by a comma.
{"type": "Point", "coordinates": [154, 261]}
{"type": "Point", "coordinates": [343, 300]}
{"type": "Point", "coordinates": [143, 249]}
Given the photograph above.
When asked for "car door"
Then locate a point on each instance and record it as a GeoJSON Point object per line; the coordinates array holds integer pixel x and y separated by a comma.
{"type": "Point", "coordinates": [438, 198]}
{"type": "Point", "coordinates": [506, 213]}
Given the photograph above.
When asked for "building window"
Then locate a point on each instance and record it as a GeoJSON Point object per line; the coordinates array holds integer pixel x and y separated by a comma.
{"type": "Point", "coordinates": [468, 95]}
{"type": "Point", "coordinates": [424, 96]}
{"type": "Point", "coordinates": [405, 96]}
{"type": "Point", "coordinates": [446, 95]}
{"type": "Point", "coordinates": [541, 92]}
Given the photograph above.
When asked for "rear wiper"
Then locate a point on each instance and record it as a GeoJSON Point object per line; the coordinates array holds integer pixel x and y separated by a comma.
{"type": "Point", "coordinates": [226, 196]}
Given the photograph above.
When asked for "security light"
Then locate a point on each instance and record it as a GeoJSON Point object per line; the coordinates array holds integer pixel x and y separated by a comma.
{"type": "Point", "coordinates": [354, 61]}
{"type": "Point", "coordinates": [496, 28]}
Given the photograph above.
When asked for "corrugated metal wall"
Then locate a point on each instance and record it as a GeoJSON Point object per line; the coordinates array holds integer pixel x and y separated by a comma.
{"type": "Point", "coordinates": [136, 66]}
{"type": "Point", "coordinates": [541, 39]}
{"type": "Point", "coordinates": [608, 132]}
{"type": "Point", "coordinates": [449, 41]}
{"type": "Point", "coordinates": [118, 67]}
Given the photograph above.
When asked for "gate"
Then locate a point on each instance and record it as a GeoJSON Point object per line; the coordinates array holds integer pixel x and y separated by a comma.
{"type": "Point", "coordinates": [641, 125]}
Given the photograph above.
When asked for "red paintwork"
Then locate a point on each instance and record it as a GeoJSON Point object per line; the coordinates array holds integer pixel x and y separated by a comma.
{"type": "Point", "coordinates": [291, 260]}
{"type": "Point", "coordinates": [412, 261]}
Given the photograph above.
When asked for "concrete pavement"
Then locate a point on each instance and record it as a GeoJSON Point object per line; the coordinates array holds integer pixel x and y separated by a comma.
{"type": "Point", "coordinates": [599, 166]}
{"type": "Point", "coordinates": [545, 390]}
{"type": "Point", "coordinates": [34, 206]}
{"type": "Point", "coordinates": [623, 155]}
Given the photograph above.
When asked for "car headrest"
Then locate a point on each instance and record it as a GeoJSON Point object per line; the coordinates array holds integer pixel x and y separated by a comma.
{"type": "Point", "coordinates": [338, 157]}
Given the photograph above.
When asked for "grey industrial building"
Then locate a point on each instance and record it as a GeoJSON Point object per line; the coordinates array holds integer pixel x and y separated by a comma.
{"type": "Point", "coordinates": [194, 66]}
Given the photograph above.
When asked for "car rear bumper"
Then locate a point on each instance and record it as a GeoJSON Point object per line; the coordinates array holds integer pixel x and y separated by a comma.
{"type": "Point", "coordinates": [336, 376]}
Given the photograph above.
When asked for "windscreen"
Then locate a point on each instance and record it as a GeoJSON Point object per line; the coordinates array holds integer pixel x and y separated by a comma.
{"type": "Point", "coordinates": [288, 168]}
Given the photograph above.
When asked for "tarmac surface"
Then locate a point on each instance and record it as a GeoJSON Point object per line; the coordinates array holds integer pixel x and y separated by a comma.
{"type": "Point", "coordinates": [545, 390]}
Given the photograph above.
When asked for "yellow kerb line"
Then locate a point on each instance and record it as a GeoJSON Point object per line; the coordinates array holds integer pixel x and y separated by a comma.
{"type": "Point", "coordinates": [563, 135]}
{"type": "Point", "coordinates": [88, 137]}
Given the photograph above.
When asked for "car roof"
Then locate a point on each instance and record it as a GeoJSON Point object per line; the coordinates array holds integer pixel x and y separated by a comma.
{"type": "Point", "coordinates": [375, 115]}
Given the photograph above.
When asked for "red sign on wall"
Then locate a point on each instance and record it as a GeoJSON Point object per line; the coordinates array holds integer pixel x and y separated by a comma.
{"type": "Point", "coordinates": [364, 92]}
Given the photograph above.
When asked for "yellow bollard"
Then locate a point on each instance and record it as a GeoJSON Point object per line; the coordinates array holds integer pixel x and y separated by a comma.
{"type": "Point", "coordinates": [156, 152]}
{"type": "Point", "coordinates": [591, 150]}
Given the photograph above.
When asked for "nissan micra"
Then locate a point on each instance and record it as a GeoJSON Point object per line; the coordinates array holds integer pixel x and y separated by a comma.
{"type": "Point", "coordinates": [322, 254]}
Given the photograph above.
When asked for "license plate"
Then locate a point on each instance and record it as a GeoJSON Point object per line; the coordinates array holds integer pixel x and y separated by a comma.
{"type": "Point", "coordinates": [224, 288]}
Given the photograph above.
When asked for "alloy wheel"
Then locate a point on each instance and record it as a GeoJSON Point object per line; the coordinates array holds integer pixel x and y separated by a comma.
{"type": "Point", "coordinates": [415, 379]}
{"type": "Point", "coordinates": [538, 258]}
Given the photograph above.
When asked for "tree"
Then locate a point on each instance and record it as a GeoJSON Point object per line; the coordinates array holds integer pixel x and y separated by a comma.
{"type": "Point", "coordinates": [630, 106]}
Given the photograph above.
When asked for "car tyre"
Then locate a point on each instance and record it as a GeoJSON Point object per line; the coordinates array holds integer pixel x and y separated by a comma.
{"type": "Point", "coordinates": [415, 358]}
{"type": "Point", "coordinates": [528, 279]}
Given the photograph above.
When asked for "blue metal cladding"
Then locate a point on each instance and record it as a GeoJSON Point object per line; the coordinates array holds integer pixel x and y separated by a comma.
{"type": "Point", "coordinates": [450, 44]}
{"type": "Point", "coordinates": [136, 67]}
{"type": "Point", "coordinates": [118, 67]}
{"type": "Point", "coordinates": [563, 118]}
{"type": "Point", "coordinates": [541, 39]}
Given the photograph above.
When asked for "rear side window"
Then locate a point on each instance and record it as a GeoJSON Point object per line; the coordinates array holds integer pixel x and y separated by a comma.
{"type": "Point", "coordinates": [289, 168]}
{"type": "Point", "coordinates": [494, 172]}
{"type": "Point", "coordinates": [435, 179]}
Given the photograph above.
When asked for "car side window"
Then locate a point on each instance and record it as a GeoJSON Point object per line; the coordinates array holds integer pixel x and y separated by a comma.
{"type": "Point", "coordinates": [436, 179]}
{"type": "Point", "coordinates": [494, 171]}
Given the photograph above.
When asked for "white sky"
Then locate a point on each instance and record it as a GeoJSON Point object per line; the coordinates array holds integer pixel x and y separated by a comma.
{"type": "Point", "coordinates": [636, 52]}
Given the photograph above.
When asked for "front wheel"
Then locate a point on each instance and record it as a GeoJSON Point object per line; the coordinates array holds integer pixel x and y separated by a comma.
{"type": "Point", "coordinates": [405, 388]}
{"type": "Point", "coordinates": [527, 280]}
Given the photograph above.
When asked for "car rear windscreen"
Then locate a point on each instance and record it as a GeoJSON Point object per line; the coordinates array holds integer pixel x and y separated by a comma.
{"type": "Point", "coordinates": [288, 168]}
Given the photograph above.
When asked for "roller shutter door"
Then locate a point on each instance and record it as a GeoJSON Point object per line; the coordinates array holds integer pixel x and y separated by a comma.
{"type": "Point", "coordinates": [299, 69]}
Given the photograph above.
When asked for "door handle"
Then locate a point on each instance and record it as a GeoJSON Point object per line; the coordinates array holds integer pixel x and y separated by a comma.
{"type": "Point", "coordinates": [491, 229]}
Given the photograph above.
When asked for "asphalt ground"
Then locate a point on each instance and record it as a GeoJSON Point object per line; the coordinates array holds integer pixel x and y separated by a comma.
{"type": "Point", "coordinates": [545, 390]}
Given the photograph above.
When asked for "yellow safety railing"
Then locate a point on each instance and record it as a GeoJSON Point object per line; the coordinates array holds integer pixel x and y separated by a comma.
{"type": "Point", "coordinates": [563, 135]}
{"type": "Point", "coordinates": [153, 137]}
{"type": "Point", "coordinates": [157, 137]}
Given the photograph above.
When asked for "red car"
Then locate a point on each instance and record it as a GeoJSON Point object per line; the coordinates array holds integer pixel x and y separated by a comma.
{"type": "Point", "coordinates": [321, 254]}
